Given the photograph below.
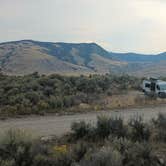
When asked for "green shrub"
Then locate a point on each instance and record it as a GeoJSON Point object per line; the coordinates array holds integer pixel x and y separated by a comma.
{"type": "Point", "coordinates": [80, 129]}
{"type": "Point", "coordinates": [116, 145]}
{"type": "Point", "coordinates": [140, 155]}
{"type": "Point", "coordinates": [159, 127]}
{"type": "Point", "coordinates": [63, 160]}
{"type": "Point", "coordinates": [110, 127]}
{"type": "Point", "coordinates": [117, 127]}
{"type": "Point", "coordinates": [7, 163]}
{"type": "Point", "coordinates": [122, 145]}
{"type": "Point", "coordinates": [138, 130]}
{"type": "Point", "coordinates": [135, 153]}
{"type": "Point", "coordinates": [41, 160]}
{"type": "Point", "coordinates": [16, 146]}
{"type": "Point", "coordinates": [36, 93]}
{"type": "Point", "coordinates": [103, 157]}
{"type": "Point", "coordinates": [80, 150]}
{"type": "Point", "coordinates": [103, 126]}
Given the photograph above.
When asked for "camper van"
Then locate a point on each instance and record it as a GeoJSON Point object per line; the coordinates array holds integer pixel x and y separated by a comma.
{"type": "Point", "coordinates": [154, 87]}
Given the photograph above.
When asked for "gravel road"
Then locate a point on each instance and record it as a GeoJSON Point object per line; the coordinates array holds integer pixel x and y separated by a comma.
{"type": "Point", "coordinates": [58, 125]}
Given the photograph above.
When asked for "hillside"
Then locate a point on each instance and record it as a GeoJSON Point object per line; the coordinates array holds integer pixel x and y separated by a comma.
{"type": "Point", "coordinates": [142, 64]}
{"type": "Point", "coordinates": [133, 57]}
{"type": "Point", "coordinates": [27, 56]}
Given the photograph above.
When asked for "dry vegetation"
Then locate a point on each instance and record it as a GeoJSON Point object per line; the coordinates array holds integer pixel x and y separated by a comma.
{"type": "Point", "coordinates": [131, 99]}
{"type": "Point", "coordinates": [40, 94]}
{"type": "Point", "coordinates": [109, 142]}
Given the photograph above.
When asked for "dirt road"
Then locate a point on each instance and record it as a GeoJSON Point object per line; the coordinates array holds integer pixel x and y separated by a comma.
{"type": "Point", "coordinates": [58, 125]}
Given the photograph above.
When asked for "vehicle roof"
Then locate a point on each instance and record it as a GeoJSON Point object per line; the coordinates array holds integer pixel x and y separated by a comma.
{"type": "Point", "coordinates": [161, 82]}
{"type": "Point", "coordinates": [157, 81]}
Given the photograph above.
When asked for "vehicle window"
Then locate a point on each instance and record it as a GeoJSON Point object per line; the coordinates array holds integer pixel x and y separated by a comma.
{"type": "Point", "coordinates": [147, 85]}
{"type": "Point", "coordinates": [158, 88]}
{"type": "Point", "coordinates": [163, 87]}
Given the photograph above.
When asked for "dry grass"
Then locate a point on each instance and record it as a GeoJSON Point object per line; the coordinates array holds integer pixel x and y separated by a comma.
{"type": "Point", "coordinates": [131, 99]}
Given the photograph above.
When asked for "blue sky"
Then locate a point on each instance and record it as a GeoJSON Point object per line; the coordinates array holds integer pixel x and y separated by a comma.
{"type": "Point", "coordinates": [117, 25]}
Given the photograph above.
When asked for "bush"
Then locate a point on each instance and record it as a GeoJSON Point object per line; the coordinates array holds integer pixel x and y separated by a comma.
{"type": "Point", "coordinates": [104, 157]}
{"type": "Point", "coordinates": [80, 150]}
{"type": "Point", "coordinates": [36, 93]}
{"type": "Point", "coordinates": [15, 147]}
{"type": "Point", "coordinates": [80, 129]}
{"type": "Point", "coordinates": [138, 130]}
{"type": "Point", "coordinates": [42, 160]}
{"type": "Point", "coordinates": [113, 127]}
{"type": "Point", "coordinates": [103, 127]}
{"type": "Point", "coordinates": [116, 145]}
{"type": "Point", "coordinates": [6, 163]}
{"type": "Point", "coordinates": [117, 127]}
{"type": "Point", "coordinates": [159, 127]}
{"type": "Point", "coordinates": [140, 155]}
{"type": "Point", "coordinates": [135, 153]}
{"type": "Point", "coordinates": [122, 145]}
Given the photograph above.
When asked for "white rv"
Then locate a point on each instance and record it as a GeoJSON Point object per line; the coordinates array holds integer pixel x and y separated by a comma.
{"type": "Point", "coordinates": [154, 87]}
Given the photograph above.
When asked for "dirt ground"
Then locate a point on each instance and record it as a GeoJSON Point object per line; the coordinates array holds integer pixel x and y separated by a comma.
{"type": "Point", "coordinates": [58, 125]}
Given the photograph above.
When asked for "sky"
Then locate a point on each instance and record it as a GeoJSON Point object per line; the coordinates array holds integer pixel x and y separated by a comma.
{"type": "Point", "coordinates": [117, 25]}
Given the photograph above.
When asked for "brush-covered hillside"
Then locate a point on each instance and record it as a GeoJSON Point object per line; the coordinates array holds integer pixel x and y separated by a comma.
{"type": "Point", "coordinates": [27, 56]}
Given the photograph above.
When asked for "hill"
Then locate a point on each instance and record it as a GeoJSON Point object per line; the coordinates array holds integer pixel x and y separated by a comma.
{"type": "Point", "coordinates": [27, 56]}
{"type": "Point", "coordinates": [133, 57]}
{"type": "Point", "coordinates": [142, 64]}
